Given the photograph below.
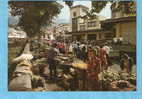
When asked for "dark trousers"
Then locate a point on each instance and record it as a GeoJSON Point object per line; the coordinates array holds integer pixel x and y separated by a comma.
{"type": "Point", "coordinates": [108, 60]}
{"type": "Point", "coordinates": [52, 68]}
{"type": "Point", "coordinates": [53, 73]}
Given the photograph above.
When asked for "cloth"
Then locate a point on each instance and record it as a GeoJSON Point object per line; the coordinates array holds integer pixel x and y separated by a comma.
{"type": "Point", "coordinates": [107, 49]}
{"type": "Point", "coordinates": [21, 83]}
{"type": "Point", "coordinates": [23, 69]}
{"type": "Point", "coordinates": [94, 67]}
{"type": "Point", "coordinates": [23, 57]}
{"type": "Point", "coordinates": [70, 48]}
{"type": "Point", "coordinates": [103, 58]}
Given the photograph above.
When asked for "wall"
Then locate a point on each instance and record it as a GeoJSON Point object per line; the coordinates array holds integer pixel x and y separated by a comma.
{"type": "Point", "coordinates": [79, 12]}
{"type": "Point", "coordinates": [127, 31]}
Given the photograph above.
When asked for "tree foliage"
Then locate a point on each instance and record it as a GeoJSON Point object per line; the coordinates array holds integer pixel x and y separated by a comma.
{"type": "Point", "coordinates": [69, 3]}
{"type": "Point", "coordinates": [97, 6]}
{"type": "Point", "coordinates": [34, 14]}
{"type": "Point", "coordinates": [128, 7]}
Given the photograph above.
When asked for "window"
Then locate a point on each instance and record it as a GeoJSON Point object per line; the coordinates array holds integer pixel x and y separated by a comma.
{"type": "Point", "coordinates": [74, 14]}
{"type": "Point", "coordinates": [92, 24]}
{"type": "Point", "coordinates": [74, 24]}
{"type": "Point", "coordinates": [84, 10]}
{"type": "Point", "coordinates": [82, 27]}
{"type": "Point", "coordinates": [100, 36]}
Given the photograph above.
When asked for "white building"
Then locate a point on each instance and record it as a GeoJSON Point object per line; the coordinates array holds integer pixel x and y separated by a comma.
{"type": "Point", "coordinates": [13, 33]}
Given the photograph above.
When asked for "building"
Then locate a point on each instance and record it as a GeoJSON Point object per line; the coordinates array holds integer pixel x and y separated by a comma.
{"type": "Point", "coordinates": [13, 33]}
{"type": "Point", "coordinates": [124, 29]}
{"type": "Point", "coordinates": [85, 28]}
{"type": "Point", "coordinates": [62, 28]}
{"type": "Point", "coordinates": [122, 22]}
{"type": "Point", "coordinates": [121, 27]}
{"type": "Point", "coordinates": [56, 30]}
{"type": "Point", "coordinates": [76, 12]}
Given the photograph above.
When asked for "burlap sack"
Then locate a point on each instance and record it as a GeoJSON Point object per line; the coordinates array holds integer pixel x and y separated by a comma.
{"type": "Point", "coordinates": [23, 69]}
{"type": "Point", "coordinates": [21, 83]}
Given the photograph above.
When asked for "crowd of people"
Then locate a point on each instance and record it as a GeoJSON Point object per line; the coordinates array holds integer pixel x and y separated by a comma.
{"type": "Point", "coordinates": [96, 57]}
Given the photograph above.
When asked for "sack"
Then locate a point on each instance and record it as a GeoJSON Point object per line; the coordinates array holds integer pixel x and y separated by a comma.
{"type": "Point", "coordinates": [21, 83]}
{"type": "Point", "coordinates": [23, 69]}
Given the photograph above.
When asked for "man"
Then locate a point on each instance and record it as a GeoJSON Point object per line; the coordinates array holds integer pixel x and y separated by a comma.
{"type": "Point", "coordinates": [51, 54]}
{"type": "Point", "coordinates": [61, 47]}
{"type": "Point", "coordinates": [83, 52]}
{"type": "Point", "coordinates": [107, 49]}
{"type": "Point", "coordinates": [75, 46]}
{"type": "Point", "coordinates": [126, 63]}
{"type": "Point", "coordinates": [103, 58]}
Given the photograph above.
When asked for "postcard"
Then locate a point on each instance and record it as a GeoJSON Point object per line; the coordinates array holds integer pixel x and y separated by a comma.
{"type": "Point", "coordinates": [83, 47]}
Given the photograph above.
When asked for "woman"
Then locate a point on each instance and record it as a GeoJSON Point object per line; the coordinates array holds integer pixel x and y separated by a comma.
{"type": "Point", "coordinates": [93, 70]}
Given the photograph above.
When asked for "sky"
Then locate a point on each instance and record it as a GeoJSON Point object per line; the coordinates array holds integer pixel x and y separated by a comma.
{"type": "Point", "coordinates": [64, 16]}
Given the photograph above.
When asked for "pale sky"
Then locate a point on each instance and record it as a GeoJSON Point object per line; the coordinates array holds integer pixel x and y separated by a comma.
{"type": "Point", "coordinates": [64, 16]}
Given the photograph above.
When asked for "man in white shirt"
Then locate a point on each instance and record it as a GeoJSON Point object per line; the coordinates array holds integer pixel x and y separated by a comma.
{"type": "Point", "coordinates": [107, 49]}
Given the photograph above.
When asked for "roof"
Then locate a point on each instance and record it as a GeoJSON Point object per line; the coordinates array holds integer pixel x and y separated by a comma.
{"type": "Point", "coordinates": [98, 17]}
{"type": "Point", "coordinates": [122, 19]}
{"type": "Point", "coordinates": [79, 6]}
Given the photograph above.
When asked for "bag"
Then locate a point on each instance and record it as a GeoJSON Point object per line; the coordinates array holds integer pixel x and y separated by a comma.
{"type": "Point", "coordinates": [21, 83]}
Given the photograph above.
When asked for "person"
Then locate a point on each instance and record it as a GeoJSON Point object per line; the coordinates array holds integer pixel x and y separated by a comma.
{"type": "Point", "coordinates": [130, 64]}
{"type": "Point", "coordinates": [93, 69]}
{"type": "Point", "coordinates": [51, 54]}
{"type": "Point", "coordinates": [107, 49]}
{"type": "Point", "coordinates": [61, 47]}
{"type": "Point", "coordinates": [70, 48]}
{"type": "Point", "coordinates": [67, 45]}
{"type": "Point", "coordinates": [120, 40]}
{"type": "Point", "coordinates": [75, 46]}
{"type": "Point", "coordinates": [103, 57]}
{"type": "Point", "coordinates": [78, 51]}
{"type": "Point", "coordinates": [126, 63]}
{"type": "Point", "coordinates": [83, 53]}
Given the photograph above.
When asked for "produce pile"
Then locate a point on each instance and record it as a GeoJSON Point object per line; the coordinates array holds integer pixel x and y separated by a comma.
{"type": "Point", "coordinates": [113, 80]}
{"type": "Point", "coordinates": [79, 64]}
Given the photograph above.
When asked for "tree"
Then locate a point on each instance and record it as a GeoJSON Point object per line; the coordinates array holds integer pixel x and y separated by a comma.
{"type": "Point", "coordinates": [69, 3]}
{"type": "Point", "coordinates": [128, 7]}
{"type": "Point", "coordinates": [34, 14]}
{"type": "Point", "coordinates": [97, 6]}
